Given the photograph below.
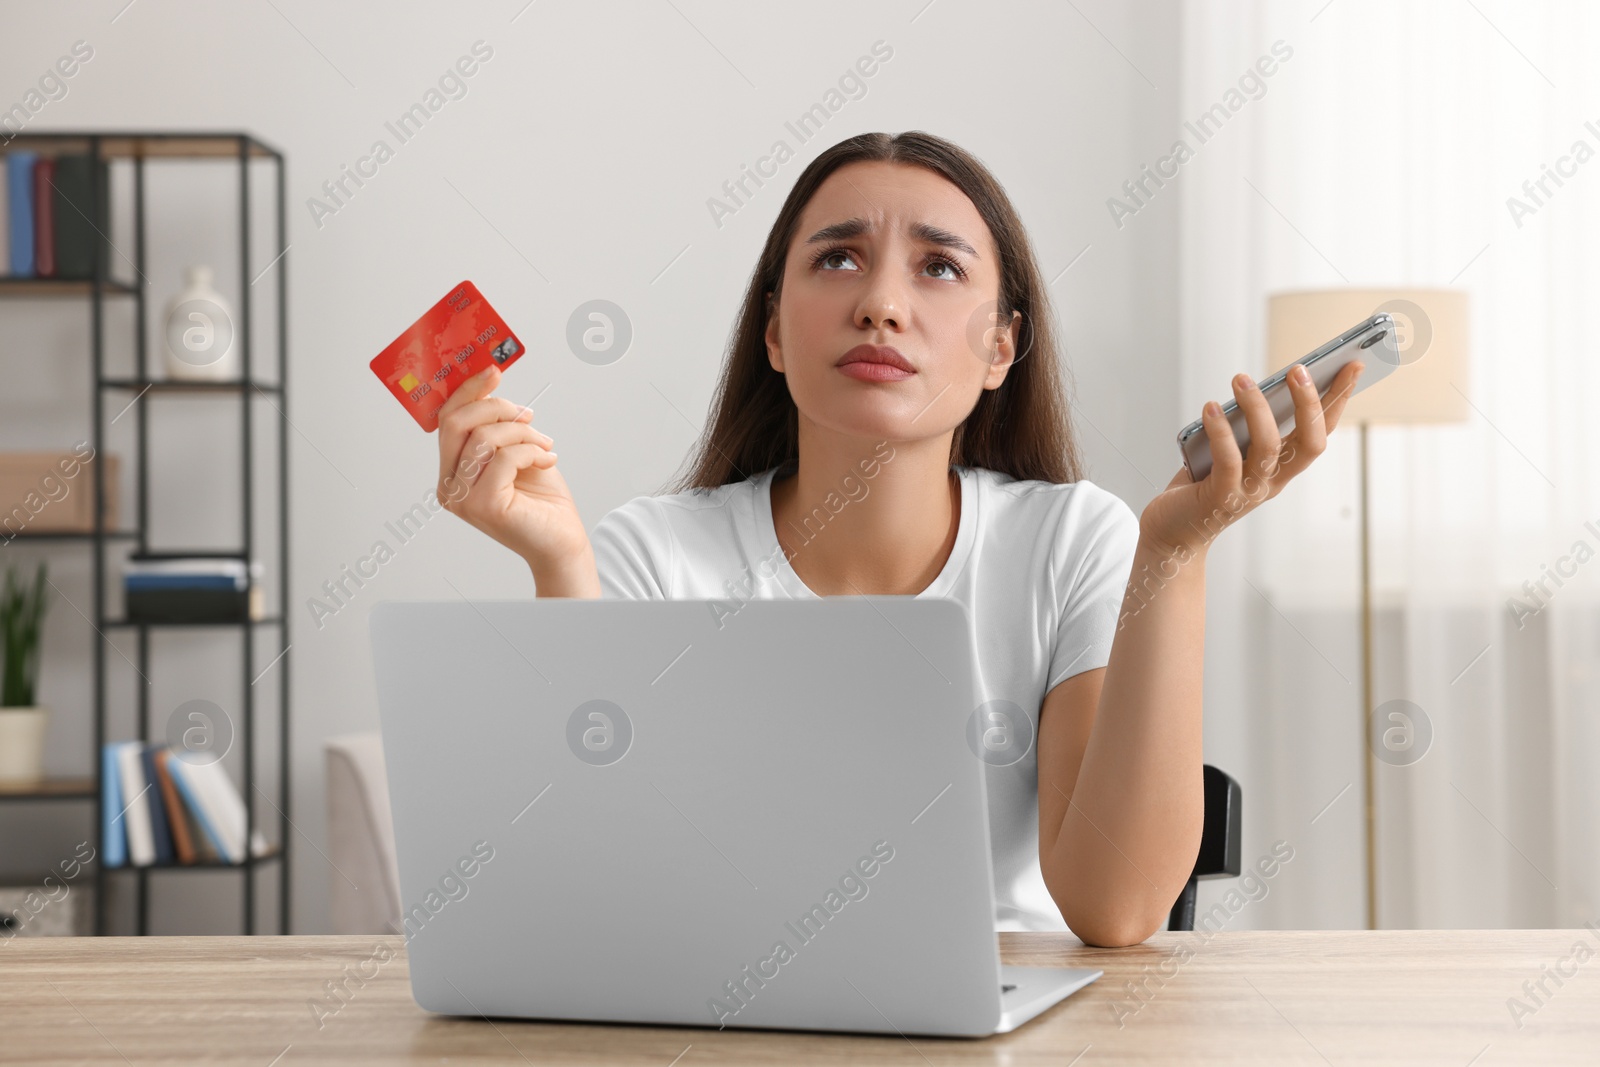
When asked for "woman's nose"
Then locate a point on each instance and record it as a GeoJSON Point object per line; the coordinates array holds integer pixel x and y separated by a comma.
{"type": "Point", "coordinates": [884, 303]}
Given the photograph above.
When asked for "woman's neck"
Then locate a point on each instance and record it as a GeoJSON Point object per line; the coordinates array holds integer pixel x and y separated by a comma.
{"type": "Point", "coordinates": [854, 523]}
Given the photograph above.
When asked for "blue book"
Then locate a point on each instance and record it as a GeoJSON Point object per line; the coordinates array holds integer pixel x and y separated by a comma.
{"type": "Point", "coordinates": [114, 835]}
{"type": "Point", "coordinates": [19, 210]}
{"type": "Point", "coordinates": [159, 829]}
{"type": "Point", "coordinates": [181, 581]}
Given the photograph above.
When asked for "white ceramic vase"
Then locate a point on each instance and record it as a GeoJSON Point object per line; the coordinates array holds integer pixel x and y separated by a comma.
{"type": "Point", "coordinates": [201, 342]}
{"type": "Point", "coordinates": [22, 745]}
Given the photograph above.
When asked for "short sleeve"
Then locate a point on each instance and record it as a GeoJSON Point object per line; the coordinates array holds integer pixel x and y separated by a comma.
{"type": "Point", "coordinates": [1097, 558]}
{"type": "Point", "coordinates": [627, 543]}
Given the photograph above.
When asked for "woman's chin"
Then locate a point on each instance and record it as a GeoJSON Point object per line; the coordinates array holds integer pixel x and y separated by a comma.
{"type": "Point", "coordinates": [879, 411]}
{"type": "Point", "coordinates": [878, 426]}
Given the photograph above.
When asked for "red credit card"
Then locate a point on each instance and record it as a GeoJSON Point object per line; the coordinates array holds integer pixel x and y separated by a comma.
{"type": "Point", "coordinates": [457, 338]}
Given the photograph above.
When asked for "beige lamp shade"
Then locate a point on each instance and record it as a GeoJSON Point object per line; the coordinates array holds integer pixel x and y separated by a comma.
{"type": "Point", "coordinates": [1431, 326]}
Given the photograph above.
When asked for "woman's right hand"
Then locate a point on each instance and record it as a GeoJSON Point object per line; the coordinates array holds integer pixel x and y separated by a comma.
{"type": "Point", "coordinates": [497, 472]}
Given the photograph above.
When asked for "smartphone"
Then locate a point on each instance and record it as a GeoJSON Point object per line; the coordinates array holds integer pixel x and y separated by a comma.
{"type": "Point", "coordinates": [1373, 342]}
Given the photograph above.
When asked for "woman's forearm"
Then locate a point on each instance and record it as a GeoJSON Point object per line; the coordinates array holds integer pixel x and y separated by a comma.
{"type": "Point", "coordinates": [1131, 831]}
{"type": "Point", "coordinates": [1131, 826]}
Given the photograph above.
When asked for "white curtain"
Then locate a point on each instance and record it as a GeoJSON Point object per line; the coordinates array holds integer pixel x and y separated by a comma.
{"type": "Point", "coordinates": [1383, 152]}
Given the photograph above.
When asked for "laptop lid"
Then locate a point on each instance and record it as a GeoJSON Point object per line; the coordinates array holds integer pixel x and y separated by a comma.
{"type": "Point", "coordinates": [691, 812]}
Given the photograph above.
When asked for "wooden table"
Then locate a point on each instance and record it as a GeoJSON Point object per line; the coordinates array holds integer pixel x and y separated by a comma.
{"type": "Point", "coordinates": [1332, 997]}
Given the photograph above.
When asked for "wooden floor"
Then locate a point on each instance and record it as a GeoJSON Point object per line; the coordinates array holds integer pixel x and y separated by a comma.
{"type": "Point", "coordinates": [1415, 997]}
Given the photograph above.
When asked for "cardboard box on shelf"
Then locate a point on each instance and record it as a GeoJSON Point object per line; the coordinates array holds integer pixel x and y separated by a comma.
{"type": "Point", "coordinates": [53, 492]}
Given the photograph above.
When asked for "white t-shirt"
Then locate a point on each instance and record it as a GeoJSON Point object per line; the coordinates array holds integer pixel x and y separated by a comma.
{"type": "Point", "coordinates": [1040, 566]}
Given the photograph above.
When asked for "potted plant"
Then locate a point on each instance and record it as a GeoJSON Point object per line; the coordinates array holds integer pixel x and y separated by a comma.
{"type": "Point", "coordinates": [22, 722]}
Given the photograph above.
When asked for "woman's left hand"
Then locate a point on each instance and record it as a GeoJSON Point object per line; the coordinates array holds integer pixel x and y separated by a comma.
{"type": "Point", "coordinates": [1187, 516]}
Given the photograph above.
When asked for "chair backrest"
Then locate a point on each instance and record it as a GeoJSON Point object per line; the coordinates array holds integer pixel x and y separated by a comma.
{"type": "Point", "coordinates": [1219, 843]}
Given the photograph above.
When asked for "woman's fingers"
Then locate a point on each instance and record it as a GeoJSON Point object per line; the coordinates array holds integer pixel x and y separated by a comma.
{"type": "Point", "coordinates": [1310, 435]}
{"type": "Point", "coordinates": [1315, 417]}
{"type": "Point", "coordinates": [453, 429]}
{"type": "Point", "coordinates": [1339, 394]}
{"type": "Point", "coordinates": [1226, 462]}
{"type": "Point", "coordinates": [482, 443]}
{"type": "Point", "coordinates": [490, 409]}
{"type": "Point", "coordinates": [458, 419]}
{"type": "Point", "coordinates": [1265, 440]}
{"type": "Point", "coordinates": [508, 462]}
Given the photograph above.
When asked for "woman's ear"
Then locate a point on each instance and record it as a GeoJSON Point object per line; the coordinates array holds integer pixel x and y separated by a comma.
{"type": "Point", "coordinates": [774, 352]}
{"type": "Point", "coordinates": [1004, 353]}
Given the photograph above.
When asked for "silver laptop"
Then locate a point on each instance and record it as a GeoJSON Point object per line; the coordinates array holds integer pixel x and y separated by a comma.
{"type": "Point", "coordinates": [694, 812]}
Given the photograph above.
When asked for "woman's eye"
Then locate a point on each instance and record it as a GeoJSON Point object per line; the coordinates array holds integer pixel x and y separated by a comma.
{"type": "Point", "coordinates": [842, 259]}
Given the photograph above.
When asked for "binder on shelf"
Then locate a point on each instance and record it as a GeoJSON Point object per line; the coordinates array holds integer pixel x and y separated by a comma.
{"type": "Point", "coordinates": [44, 217]}
{"type": "Point", "coordinates": [81, 216]}
{"type": "Point", "coordinates": [19, 210]}
{"type": "Point", "coordinates": [5, 220]}
{"type": "Point", "coordinates": [136, 814]}
{"type": "Point", "coordinates": [114, 835]}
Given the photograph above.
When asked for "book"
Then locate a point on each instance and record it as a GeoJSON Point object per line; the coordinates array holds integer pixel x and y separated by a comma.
{"type": "Point", "coordinates": [209, 845]}
{"type": "Point", "coordinates": [19, 211]}
{"type": "Point", "coordinates": [204, 850]}
{"type": "Point", "coordinates": [82, 215]}
{"type": "Point", "coordinates": [214, 797]}
{"type": "Point", "coordinates": [182, 844]}
{"type": "Point", "coordinates": [182, 581]}
{"type": "Point", "coordinates": [187, 605]}
{"type": "Point", "coordinates": [113, 835]}
{"type": "Point", "coordinates": [189, 588]}
{"type": "Point", "coordinates": [222, 806]}
{"type": "Point", "coordinates": [154, 563]}
{"type": "Point", "coordinates": [5, 221]}
{"type": "Point", "coordinates": [136, 813]}
{"type": "Point", "coordinates": [44, 217]}
{"type": "Point", "coordinates": [159, 828]}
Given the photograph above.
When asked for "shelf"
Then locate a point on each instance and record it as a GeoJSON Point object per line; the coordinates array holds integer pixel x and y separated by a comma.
{"type": "Point", "coordinates": [50, 789]}
{"type": "Point", "coordinates": [273, 853]}
{"type": "Point", "coordinates": [12, 285]}
{"type": "Point", "coordinates": [172, 385]}
{"type": "Point", "coordinates": [147, 157]}
{"type": "Point", "coordinates": [270, 620]}
{"type": "Point", "coordinates": [72, 535]}
{"type": "Point", "coordinates": [199, 144]}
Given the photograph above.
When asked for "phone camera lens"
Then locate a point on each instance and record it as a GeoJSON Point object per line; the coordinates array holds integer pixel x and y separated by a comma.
{"type": "Point", "coordinates": [1374, 339]}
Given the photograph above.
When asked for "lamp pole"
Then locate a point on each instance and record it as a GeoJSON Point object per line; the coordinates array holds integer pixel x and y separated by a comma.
{"type": "Point", "coordinates": [1370, 817]}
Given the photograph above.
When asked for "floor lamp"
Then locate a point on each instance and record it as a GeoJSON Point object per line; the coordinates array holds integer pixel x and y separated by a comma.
{"type": "Point", "coordinates": [1429, 386]}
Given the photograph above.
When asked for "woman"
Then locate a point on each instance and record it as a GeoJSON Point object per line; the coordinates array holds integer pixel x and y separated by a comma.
{"type": "Point", "coordinates": [891, 420]}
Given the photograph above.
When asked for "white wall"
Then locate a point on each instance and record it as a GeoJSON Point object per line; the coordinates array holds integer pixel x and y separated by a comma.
{"type": "Point", "coordinates": [577, 166]}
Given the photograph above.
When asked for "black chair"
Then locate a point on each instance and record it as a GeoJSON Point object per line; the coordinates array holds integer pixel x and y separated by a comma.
{"type": "Point", "coordinates": [1219, 843]}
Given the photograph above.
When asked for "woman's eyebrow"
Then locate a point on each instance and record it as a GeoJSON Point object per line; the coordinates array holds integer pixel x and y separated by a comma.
{"type": "Point", "coordinates": [922, 231]}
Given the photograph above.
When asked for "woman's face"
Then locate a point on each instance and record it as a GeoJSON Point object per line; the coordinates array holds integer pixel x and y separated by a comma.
{"type": "Point", "coordinates": [894, 255]}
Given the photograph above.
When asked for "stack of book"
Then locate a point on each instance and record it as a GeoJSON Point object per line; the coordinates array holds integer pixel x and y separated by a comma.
{"type": "Point", "coordinates": [161, 809]}
{"type": "Point", "coordinates": [51, 216]}
{"type": "Point", "coordinates": [190, 587]}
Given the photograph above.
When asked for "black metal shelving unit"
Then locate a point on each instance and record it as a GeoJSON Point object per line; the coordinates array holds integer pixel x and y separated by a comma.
{"type": "Point", "coordinates": [134, 148]}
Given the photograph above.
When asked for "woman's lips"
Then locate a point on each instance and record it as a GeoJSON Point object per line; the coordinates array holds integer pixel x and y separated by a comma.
{"type": "Point", "coordinates": [865, 371]}
{"type": "Point", "coordinates": [876, 363]}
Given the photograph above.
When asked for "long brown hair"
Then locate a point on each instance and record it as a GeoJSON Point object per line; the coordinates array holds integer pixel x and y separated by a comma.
{"type": "Point", "coordinates": [1021, 428]}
